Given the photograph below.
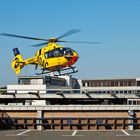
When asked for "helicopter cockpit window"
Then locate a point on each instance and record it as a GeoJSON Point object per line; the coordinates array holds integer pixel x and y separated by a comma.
{"type": "Point", "coordinates": [67, 52]}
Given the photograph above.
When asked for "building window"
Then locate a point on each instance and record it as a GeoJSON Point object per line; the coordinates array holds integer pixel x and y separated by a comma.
{"type": "Point", "coordinates": [138, 83]}
{"type": "Point", "coordinates": [25, 81]}
{"type": "Point", "coordinates": [83, 84]}
{"type": "Point", "coordinates": [121, 83]}
{"type": "Point", "coordinates": [129, 83]}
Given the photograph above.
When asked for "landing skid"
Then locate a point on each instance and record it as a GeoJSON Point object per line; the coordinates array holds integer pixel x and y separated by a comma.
{"type": "Point", "coordinates": [59, 71]}
{"type": "Point", "coordinates": [67, 73]}
{"type": "Point", "coordinates": [43, 72]}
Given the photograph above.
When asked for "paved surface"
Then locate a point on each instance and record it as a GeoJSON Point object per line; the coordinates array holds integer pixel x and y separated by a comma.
{"type": "Point", "coordinates": [68, 135]}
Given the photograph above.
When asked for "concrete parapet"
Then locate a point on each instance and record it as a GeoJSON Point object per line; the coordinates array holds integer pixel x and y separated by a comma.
{"type": "Point", "coordinates": [70, 107]}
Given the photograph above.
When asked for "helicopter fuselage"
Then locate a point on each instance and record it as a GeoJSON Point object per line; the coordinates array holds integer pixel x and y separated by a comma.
{"type": "Point", "coordinates": [52, 58]}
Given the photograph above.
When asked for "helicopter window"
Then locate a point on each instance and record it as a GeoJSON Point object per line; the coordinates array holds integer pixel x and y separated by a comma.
{"type": "Point", "coordinates": [53, 53]}
{"type": "Point", "coordinates": [57, 53]}
{"type": "Point", "coordinates": [67, 52]}
{"type": "Point", "coordinates": [47, 55]}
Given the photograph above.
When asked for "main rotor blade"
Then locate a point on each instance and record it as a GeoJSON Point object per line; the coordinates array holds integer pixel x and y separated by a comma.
{"type": "Point", "coordinates": [80, 42]}
{"type": "Point", "coordinates": [25, 37]}
{"type": "Point", "coordinates": [40, 44]}
{"type": "Point", "coordinates": [73, 31]}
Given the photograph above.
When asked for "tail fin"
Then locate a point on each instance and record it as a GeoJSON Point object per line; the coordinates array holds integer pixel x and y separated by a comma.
{"type": "Point", "coordinates": [17, 62]}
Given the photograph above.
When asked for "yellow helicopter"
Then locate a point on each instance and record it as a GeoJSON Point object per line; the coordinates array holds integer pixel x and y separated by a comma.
{"type": "Point", "coordinates": [50, 58]}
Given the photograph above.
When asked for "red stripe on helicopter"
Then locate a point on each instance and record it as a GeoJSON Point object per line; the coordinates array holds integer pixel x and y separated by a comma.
{"type": "Point", "coordinates": [73, 60]}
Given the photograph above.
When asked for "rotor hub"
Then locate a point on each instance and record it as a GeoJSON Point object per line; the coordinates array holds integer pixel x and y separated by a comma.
{"type": "Point", "coordinates": [53, 40]}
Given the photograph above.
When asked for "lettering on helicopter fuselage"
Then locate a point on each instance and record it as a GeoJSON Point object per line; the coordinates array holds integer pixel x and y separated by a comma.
{"type": "Point", "coordinates": [16, 63]}
{"type": "Point", "coordinates": [46, 64]}
{"type": "Point", "coordinates": [42, 63]}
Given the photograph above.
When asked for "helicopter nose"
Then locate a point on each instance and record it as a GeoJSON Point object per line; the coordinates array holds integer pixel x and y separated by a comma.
{"type": "Point", "coordinates": [73, 60]}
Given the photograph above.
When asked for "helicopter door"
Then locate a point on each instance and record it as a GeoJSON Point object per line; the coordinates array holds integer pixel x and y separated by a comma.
{"type": "Point", "coordinates": [53, 58]}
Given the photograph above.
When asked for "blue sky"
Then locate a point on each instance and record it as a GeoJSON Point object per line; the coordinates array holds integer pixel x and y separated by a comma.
{"type": "Point", "coordinates": [115, 23]}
